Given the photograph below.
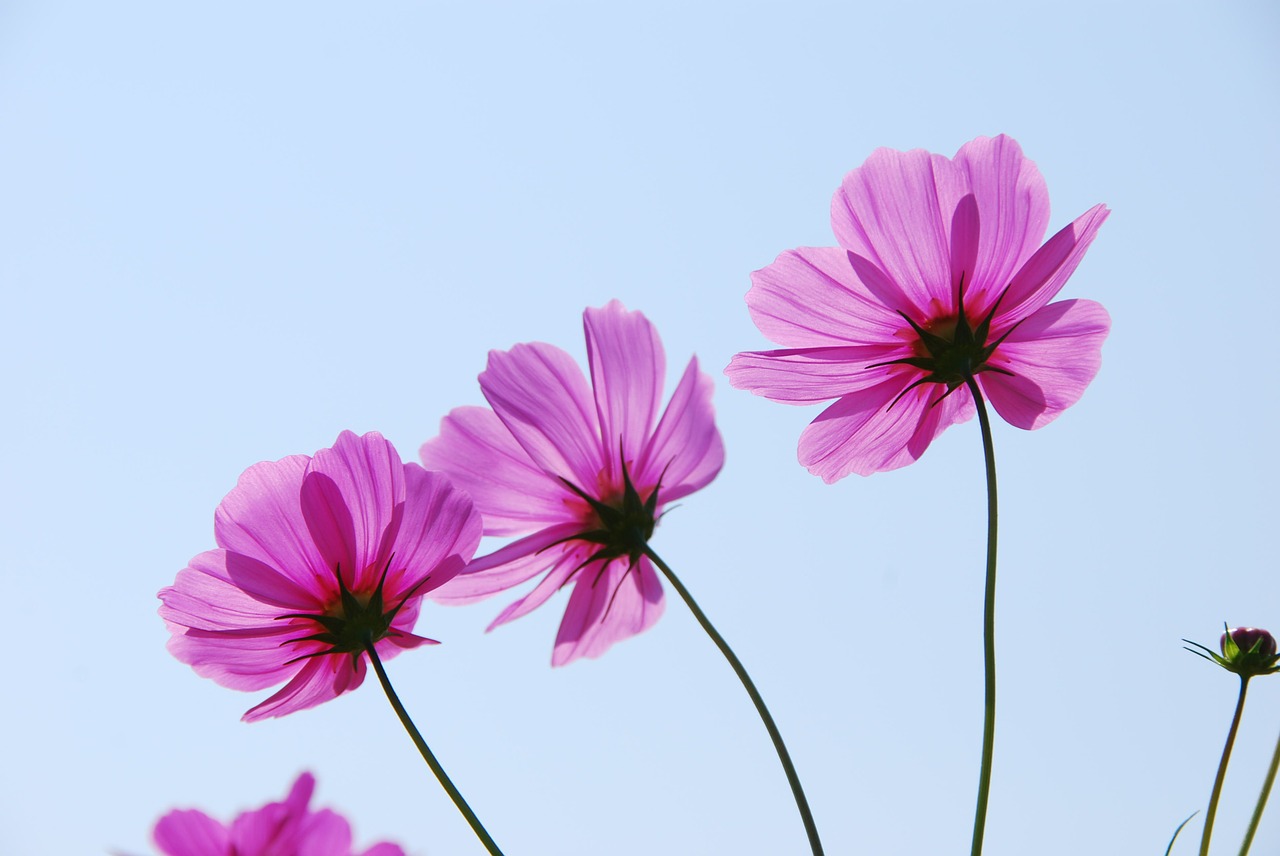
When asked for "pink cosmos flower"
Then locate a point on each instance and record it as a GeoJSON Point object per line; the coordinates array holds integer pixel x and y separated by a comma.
{"type": "Point", "coordinates": [583, 473]}
{"type": "Point", "coordinates": [940, 274]}
{"type": "Point", "coordinates": [285, 828]}
{"type": "Point", "coordinates": [317, 555]}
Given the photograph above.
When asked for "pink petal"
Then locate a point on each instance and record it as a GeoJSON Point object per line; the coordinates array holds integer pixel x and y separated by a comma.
{"type": "Point", "coordinates": [246, 660]}
{"type": "Point", "coordinates": [369, 477]}
{"type": "Point", "coordinates": [319, 680]}
{"type": "Point", "coordinates": [628, 367]}
{"type": "Point", "coordinates": [323, 833]}
{"type": "Point", "coordinates": [262, 518]}
{"type": "Point", "coordinates": [506, 567]}
{"type": "Point", "coordinates": [1012, 210]}
{"type": "Point", "coordinates": [558, 574]}
{"type": "Point", "coordinates": [862, 434]}
{"type": "Point", "coordinates": [191, 833]}
{"type": "Point", "coordinates": [607, 606]}
{"type": "Point", "coordinates": [384, 849]}
{"type": "Point", "coordinates": [804, 375]}
{"type": "Point", "coordinates": [896, 210]}
{"type": "Point", "coordinates": [811, 297]}
{"type": "Point", "coordinates": [539, 393]}
{"type": "Point", "coordinates": [439, 522]}
{"type": "Point", "coordinates": [274, 827]}
{"type": "Point", "coordinates": [479, 454]}
{"type": "Point", "coordinates": [204, 596]}
{"type": "Point", "coordinates": [1044, 274]}
{"type": "Point", "coordinates": [1054, 355]}
{"type": "Point", "coordinates": [686, 445]}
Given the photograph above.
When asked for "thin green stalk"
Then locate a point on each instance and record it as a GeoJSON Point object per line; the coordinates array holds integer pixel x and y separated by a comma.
{"type": "Point", "coordinates": [988, 625]}
{"type": "Point", "coordinates": [1222, 770]}
{"type": "Point", "coordinates": [811, 828]}
{"type": "Point", "coordinates": [476, 826]}
{"type": "Point", "coordinates": [1262, 802]}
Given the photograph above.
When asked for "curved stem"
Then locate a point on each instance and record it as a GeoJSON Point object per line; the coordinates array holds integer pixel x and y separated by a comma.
{"type": "Point", "coordinates": [1222, 770]}
{"type": "Point", "coordinates": [811, 828]}
{"type": "Point", "coordinates": [476, 826]}
{"type": "Point", "coordinates": [1262, 802]}
{"type": "Point", "coordinates": [988, 625]}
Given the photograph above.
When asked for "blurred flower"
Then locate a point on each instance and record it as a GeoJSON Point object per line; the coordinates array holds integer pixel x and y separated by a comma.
{"type": "Point", "coordinates": [585, 470]}
{"type": "Point", "coordinates": [285, 828]}
{"type": "Point", "coordinates": [1247, 651]}
{"type": "Point", "coordinates": [937, 278]}
{"type": "Point", "coordinates": [318, 556]}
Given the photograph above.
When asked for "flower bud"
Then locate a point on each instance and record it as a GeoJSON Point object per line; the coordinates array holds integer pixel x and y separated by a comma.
{"type": "Point", "coordinates": [1247, 651]}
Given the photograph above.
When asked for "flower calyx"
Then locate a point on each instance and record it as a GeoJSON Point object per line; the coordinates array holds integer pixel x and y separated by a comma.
{"type": "Point", "coordinates": [354, 625]}
{"type": "Point", "coordinates": [1246, 651]}
{"type": "Point", "coordinates": [956, 360]}
{"type": "Point", "coordinates": [625, 528]}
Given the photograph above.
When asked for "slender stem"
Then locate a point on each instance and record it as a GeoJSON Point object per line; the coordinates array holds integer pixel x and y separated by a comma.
{"type": "Point", "coordinates": [1222, 770]}
{"type": "Point", "coordinates": [1262, 802]}
{"type": "Point", "coordinates": [476, 826]}
{"type": "Point", "coordinates": [988, 625]}
{"type": "Point", "coordinates": [811, 828]}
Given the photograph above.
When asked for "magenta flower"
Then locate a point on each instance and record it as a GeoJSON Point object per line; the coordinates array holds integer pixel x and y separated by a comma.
{"type": "Point", "coordinates": [318, 556]}
{"type": "Point", "coordinates": [285, 828]}
{"type": "Point", "coordinates": [583, 473]}
{"type": "Point", "coordinates": [940, 275]}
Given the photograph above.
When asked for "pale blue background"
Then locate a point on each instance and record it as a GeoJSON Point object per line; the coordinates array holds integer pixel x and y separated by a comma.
{"type": "Point", "coordinates": [229, 231]}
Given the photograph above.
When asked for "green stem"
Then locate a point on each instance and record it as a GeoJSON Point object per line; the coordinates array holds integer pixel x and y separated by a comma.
{"type": "Point", "coordinates": [988, 625]}
{"type": "Point", "coordinates": [441, 775]}
{"type": "Point", "coordinates": [1262, 802]}
{"type": "Point", "coordinates": [811, 828]}
{"type": "Point", "coordinates": [1222, 770]}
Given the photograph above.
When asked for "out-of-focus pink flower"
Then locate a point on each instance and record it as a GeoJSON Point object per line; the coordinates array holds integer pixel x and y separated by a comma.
{"type": "Point", "coordinates": [317, 555]}
{"type": "Point", "coordinates": [285, 828]}
{"type": "Point", "coordinates": [585, 469]}
{"type": "Point", "coordinates": [940, 274]}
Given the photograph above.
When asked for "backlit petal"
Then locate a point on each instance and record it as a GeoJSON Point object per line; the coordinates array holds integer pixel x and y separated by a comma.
{"type": "Point", "coordinates": [1053, 355]}
{"type": "Point", "coordinates": [481, 457]}
{"type": "Point", "coordinates": [540, 394]}
{"type": "Point", "coordinates": [628, 367]}
{"type": "Point", "coordinates": [685, 450]}
{"type": "Point", "coordinates": [606, 607]}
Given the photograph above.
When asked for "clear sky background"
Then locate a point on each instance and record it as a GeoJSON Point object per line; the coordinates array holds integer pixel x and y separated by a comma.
{"type": "Point", "coordinates": [230, 231]}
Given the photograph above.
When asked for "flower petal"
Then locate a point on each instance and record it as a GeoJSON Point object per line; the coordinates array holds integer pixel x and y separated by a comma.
{"type": "Point", "coordinates": [1053, 355]}
{"type": "Point", "coordinates": [896, 210]}
{"type": "Point", "coordinates": [628, 367]}
{"type": "Point", "coordinates": [479, 454]}
{"type": "Point", "coordinates": [191, 833]}
{"type": "Point", "coordinates": [1042, 277]}
{"type": "Point", "coordinates": [262, 518]}
{"type": "Point", "coordinates": [607, 606]}
{"type": "Point", "coordinates": [369, 478]}
{"type": "Point", "coordinates": [861, 433]}
{"type": "Point", "coordinates": [540, 394]}
{"type": "Point", "coordinates": [323, 833]}
{"type": "Point", "coordinates": [384, 848]}
{"type": "Point", "coordinates": [439, 522]}
{"type": "Point", "coordinates": [811, 297]}
{"type": "Point", "coordinates": [507, 567]}
{"type": "Point", "coordinates": [566, 564]}
{"type": "Point", "coordinates": [1012, 205]}
{"type": "Point", "coordinates": [245, 660]}
{"type": "Point", "coordinates": [274, 827]}
{"type": "Point", "coordinates": [319, 680]}
{"type": "Point", "coordinates": [804, 375]}
{"type": "Point", "coordinates": [685, 451]}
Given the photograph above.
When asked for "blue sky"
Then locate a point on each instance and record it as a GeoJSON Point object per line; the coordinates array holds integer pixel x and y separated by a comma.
{"type": "Point", "coordinates": [228, 232]}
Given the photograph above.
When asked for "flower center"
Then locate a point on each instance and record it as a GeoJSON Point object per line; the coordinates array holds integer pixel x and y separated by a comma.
{"type": "Point", "coordinates": [622, 527]}
{"type": "Point", "coordinates": [352, 624]}
{"type": "Point", "coordinates": [950, 350]}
